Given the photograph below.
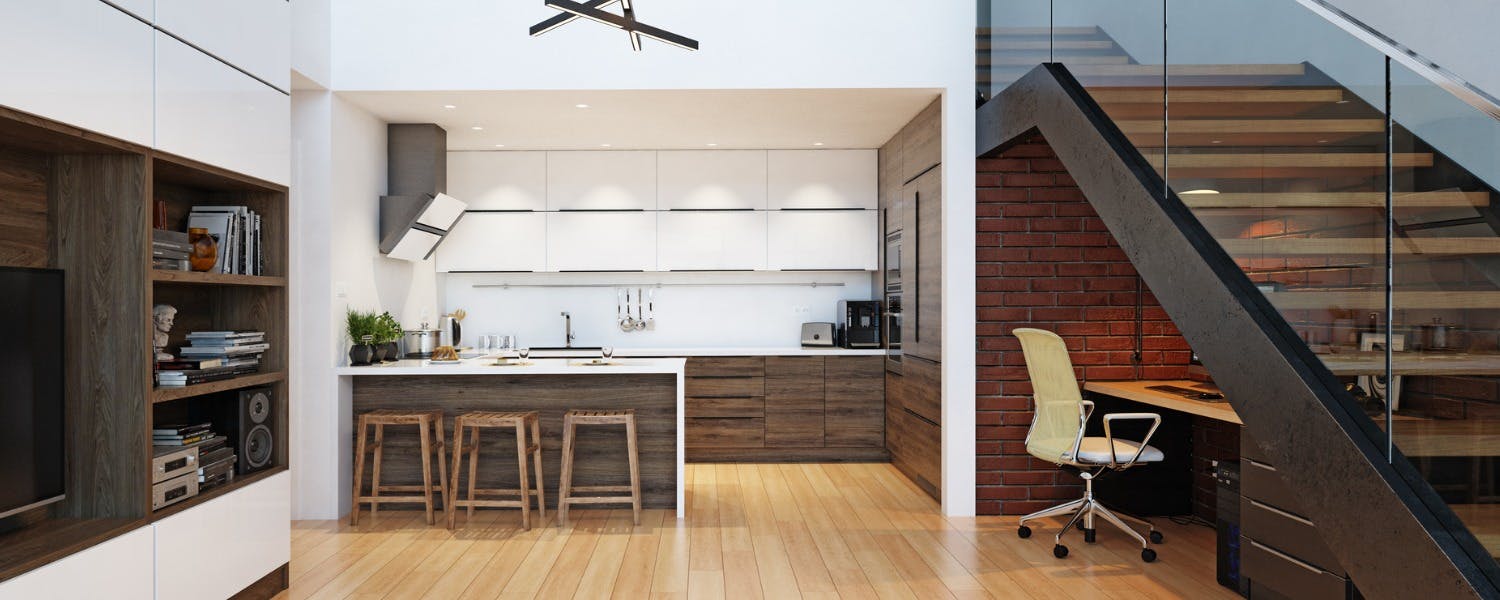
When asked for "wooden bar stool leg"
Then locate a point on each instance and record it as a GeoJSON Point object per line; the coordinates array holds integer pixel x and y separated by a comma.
{"type": "Point", "coordinates": [375, 477]}
{"type": "Point", "coordinates": [426, 449]}
{"type": "Point", "coordinates": [359, 471]}
{"type": "Point", "coordinates": [541, 494]}
{"type": "Point", "coordinates": [442, 463]}
{"type": "Point", "coordinates": [565, 481]}
{"type": "Point", "coordinates": [473, 469]}
{"type": "Point", "coordinates": [635, 469]}
{"type": "Point", "coordinates": [525, 480]}
{"type": "Point", "coordinates": [458, 463]}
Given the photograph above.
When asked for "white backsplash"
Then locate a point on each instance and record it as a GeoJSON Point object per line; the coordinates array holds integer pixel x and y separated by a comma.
{"type": "Point", "coordinates": [751, 313]}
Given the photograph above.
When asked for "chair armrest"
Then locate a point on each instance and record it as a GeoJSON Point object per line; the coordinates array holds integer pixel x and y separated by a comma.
{"type": "Point", "coordinates": [1085, 411]}
{"type": "Point", "coordinates": [1114, 460]}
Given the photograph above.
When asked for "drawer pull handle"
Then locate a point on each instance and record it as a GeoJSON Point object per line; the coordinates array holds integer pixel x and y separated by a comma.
{"type": "Point", "coordinates": [1283, 513]}
{"type": "Point", "coordinates": [924, 419]}
{"type": "Point", "coordinates": [1286, 557]}
{"type": "Point", "coordinates": [1262, 465]}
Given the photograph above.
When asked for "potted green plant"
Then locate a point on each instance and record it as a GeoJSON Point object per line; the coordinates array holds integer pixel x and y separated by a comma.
{"type": "Point", "coordinates": [362, 329]}
{"type": "Point", "coordinates": [389, 337]}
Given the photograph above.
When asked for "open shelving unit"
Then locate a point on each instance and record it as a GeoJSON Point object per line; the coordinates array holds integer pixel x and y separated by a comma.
{"type": "Point", "coordinates": [77, 201]}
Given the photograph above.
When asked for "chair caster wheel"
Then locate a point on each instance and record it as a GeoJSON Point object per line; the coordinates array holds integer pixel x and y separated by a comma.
{"type": "Point", "coordinates": [1061, 551]}
{"type": "Point", "coordinates": [1088, 535]}
{"type": "Point", "coordinates": [1156, 537]}
{"type": "Point", "coordinates": [1148, 555]}
{"type": "Point", "coordinates": [1078, 525]}
{"type": "Point", "coordinates": [1023, 532]}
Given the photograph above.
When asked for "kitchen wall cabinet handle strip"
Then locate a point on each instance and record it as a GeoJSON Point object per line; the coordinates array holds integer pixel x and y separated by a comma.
{"type": "Point", "coordinates": [813, 284]}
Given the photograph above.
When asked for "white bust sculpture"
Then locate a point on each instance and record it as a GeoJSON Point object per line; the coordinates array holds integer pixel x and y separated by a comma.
{"type": "Point", "coordinates": [162, 317]}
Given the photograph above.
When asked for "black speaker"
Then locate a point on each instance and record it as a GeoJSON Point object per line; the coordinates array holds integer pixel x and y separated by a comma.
{"type": "Point", "coordinates": [254, 428]}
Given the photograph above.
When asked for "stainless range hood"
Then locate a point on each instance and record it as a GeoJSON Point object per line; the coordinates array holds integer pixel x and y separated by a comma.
{"type": "Point", "coordinates": [417, 214]}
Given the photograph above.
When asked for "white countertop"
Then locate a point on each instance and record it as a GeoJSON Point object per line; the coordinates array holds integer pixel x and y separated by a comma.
{"type": "Point", "coordinates": [718, 351]}
{"type": "Point", "coordinates": [536, 366]}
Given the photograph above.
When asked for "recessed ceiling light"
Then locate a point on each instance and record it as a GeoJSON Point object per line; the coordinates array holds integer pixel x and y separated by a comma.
{"type": "Point", "coordinates": [710, 144]}
{"type": "Point", "coordinates": [580, 106]}
{"type": "Point", "coordinates": [477, 128]}
{"type": "Point", "coordinates": [603, 145]}
{"type": "Point", "coordinates": [1322, 141]}
{"type": "Point", "coordinates": [1202, 191]}
{"type": "Point", "coordinates": [499, 145]}
{"type": "Point", "coordinates": [1216, 142]}
{"type": "Point", "coordinates": [449, 106]}
{"type": "Point", "coordinates": [817, 143]}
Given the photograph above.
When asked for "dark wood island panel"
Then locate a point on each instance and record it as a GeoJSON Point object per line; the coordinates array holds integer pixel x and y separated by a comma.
{"type": "Point", "coordinates": [600, 456]}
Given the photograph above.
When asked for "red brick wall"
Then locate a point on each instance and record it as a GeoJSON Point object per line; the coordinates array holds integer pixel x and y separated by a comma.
{"type": "Point", "coordinates": [1046, 260]}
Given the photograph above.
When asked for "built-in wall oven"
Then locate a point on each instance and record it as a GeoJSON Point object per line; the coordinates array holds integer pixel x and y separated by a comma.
{"type": "Point", "coordinates": [893, 261]}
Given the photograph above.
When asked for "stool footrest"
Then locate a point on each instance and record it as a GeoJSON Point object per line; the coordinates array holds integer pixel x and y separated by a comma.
{"type": "Point", "coordinates": [601, 488]}
{"type": "Point", "coordinates": [504, 492]}
{"type": "Point", "coordinates": [384, 499]}
{"type": "Point", "coordinates": [402, 488]}
{"type": "Point", "coordinates": [487, 503]}
{"type": "Point", "coordinates": [599, 500]}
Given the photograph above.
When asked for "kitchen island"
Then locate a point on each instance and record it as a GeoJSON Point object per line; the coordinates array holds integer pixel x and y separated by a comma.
{"type": "Point", "coordinates": [653, 387]}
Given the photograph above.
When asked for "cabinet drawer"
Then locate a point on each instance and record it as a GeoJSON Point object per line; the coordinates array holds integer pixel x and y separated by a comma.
{"type": "Point", "coordinates": [922, 141]}
{"type": "Point", "coordinates": [794, 401]}
{"type": "Point", "coordinates": [1261, 482]}
{"type": "Point", "coordinates": [726, 366]}
{"type": "Point", "coordinates": [854, 401]}
{"type": "Point", "coordinates": [1285, 576]}
{"type": "Point", "coordinates": [724, 432]}
{"type": "Point", "coordinates": [250, 527]}
{"type": "Point", "coordinates": [709, 387]}
{"type": "Point", "coordinates": [1289, 533]}
{"type": "Point", "coordinates": [916, 449]}
{"type": "Point", "coordinates": [922, 389]}
{"type": "Point", "coordinates": [729, 407]}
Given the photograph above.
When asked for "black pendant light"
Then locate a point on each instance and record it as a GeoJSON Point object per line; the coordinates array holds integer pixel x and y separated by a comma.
{"type": "Point", "coordinates": [593, 10]}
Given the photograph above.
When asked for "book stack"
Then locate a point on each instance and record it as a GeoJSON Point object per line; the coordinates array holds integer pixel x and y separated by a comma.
{"type": "Point", "coordinates": [170, 250]}
{"type": "Point", "coordinates": [238, 230]}
{"type": "Point", "coordinates": [181, 435]}
{"type": "Point", "coordinates": [212, 356]}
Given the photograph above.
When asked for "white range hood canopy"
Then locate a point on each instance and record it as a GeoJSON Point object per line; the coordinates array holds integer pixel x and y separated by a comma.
{"type": "Point", "coordinates": [417, 215]}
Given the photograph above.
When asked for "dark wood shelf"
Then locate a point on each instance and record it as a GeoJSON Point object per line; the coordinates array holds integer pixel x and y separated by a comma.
{"type": "Point", "coordinates": [168, 394]}
{"type": "Point", "coordinates": [195, 277]}
{"type": "Point", "coordinates": [52, 539]}
{"type": "Point", "coordinates": [239, 482]}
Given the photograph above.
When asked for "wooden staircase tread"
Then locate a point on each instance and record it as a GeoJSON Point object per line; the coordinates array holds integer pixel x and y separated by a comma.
{"type": "Point", "coordinates": [1047, 45]}
{"type": "Point", "coordinates": [1250, 248]}
{"type": "Point", "coordinates": [1191, 70]}
{"type": "Point", "coordinates": [1150, 95]}
{"type": "Point", "coordinates": [1041, 30]}
{"type": "Point", "coordinates": [1270, 165]}
{"type": "Point", "coordinates": [1372, 299]}
{"type": "Point", "coordinates": [1256, 125]}
{"type": "Point", "coordinates": [1029, 59]}
{"type": "Point", "coordinates": [1335, 200]}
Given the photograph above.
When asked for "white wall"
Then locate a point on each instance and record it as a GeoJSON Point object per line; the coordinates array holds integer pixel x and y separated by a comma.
{"type": "Point", "coordinates": [396, 45]}
{"type": "Point", "coordinates": [1456, 34]}
{"type": "Point", "coordinates": [750, 315]}
{"type": "Point", "coordinates": [313, 415]}
{"type": "Point", "coordinates": [312, 34]}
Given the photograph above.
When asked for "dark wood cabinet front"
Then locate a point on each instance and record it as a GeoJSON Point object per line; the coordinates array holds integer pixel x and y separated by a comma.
{"type": "Point", "coordinates": [854, 411]}
{"type": "Point", "coordinates": [922, 267]}
{"type": "Point", "coordinates": [794, 401]}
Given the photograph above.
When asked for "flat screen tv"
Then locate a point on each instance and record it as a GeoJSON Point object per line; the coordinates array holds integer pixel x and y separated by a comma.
{"type": "Point", "coordinates": [32, 464]}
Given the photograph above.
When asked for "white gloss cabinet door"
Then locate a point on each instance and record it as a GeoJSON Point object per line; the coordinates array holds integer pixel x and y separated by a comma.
{"type": "Point", "coordinates": [254, 35]}
{"type": "Point", "coordinates": [500, 241]}
{"type": "Point", "coordinates": [590, 180]}
{"type": "Point", "coordinates": [711, 240]}
{"type": "Point", "coordinates": [499, 180]}
{"type": "Point", "coordinates": [823, 239]}
{"type": "Point", "coordinates": [822, 178]}
{"type": "Point", "coordinates": [217, 548]}
{"type": "Point", "coordinates": [119, 569]}
{"type": "Point", "coordinates": [209, 112]}
{"type": "Point", "coordinates": [601, 241]}
{"type": "Point", "coordinates": [711, 179]}
{"type": "Point", "coordinates": [81, 62]}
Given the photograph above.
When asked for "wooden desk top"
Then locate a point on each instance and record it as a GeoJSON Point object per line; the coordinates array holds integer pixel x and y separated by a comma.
{"type": "Point", "coordinates": [1412, 363]}
{"type": "Point", "coordinates": [1137, 391]}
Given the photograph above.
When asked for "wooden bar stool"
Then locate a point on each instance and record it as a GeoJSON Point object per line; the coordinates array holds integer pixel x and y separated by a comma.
{"type": "Point", "coordinates": [475, 421]}
{"type": "Point", "coordinates": [571, 421]}
{"type": "Point", "coordinates": [428, 422]}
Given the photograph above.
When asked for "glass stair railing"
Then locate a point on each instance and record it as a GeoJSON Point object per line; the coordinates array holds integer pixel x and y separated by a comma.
{"type": "Point", "coordinates": [1352, 186]}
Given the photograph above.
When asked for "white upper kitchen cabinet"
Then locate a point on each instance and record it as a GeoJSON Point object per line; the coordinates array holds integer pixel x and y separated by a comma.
{"type": "Point", "coordinates": [601, 241]}
{"type": "Point", "coordinates": [81, 62]}
{"type": "Point", "coordinates": [495, 241]}
{"type": "Point", "coordinates": [499, 180]}
{"type": "Point", "coordinates": [711, 179]}
{"type": "Point", "coordinates": [252, 523]}
{"type": "Point", "coordinates": [209, 112]}
{"type": "Point", "coordinates": [823, 239]}
{"type": "Point", "coordinates": [254, 35]}
{"type": "Point", "coordinates": [821, 178]}
{"type": "Point", "coordinates": [120, 568]}
{"type": "Point", "coordinates": [590, 180]}
{"type": "Point", "coordinates": [711, 240]}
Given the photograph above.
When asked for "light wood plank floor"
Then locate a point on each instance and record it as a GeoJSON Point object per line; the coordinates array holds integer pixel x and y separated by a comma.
{"type": "Point", "coordinates": [753, 531]}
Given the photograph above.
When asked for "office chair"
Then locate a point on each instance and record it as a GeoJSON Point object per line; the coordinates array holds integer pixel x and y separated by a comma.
{"type": "Point", "coordinates": [1057, 436]}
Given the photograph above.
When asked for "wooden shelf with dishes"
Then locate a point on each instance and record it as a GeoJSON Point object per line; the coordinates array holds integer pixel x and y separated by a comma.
{"type": "Point", "coordinates": [83, 203]}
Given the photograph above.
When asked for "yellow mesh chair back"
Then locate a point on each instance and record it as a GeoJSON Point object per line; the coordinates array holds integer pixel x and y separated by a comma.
{"type": "Point", "coordinates": [1058, 401]}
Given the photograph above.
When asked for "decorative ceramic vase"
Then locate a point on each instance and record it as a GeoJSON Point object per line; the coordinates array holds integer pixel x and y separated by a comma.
{"type": "Point", "coordinates": [380, 351]}
{"type": "Point", "coordinates": [361, 354]}
{"type": "Point", "coordinates": [205, 249]}
{"type": "Point", "coordinates": [392, 351]}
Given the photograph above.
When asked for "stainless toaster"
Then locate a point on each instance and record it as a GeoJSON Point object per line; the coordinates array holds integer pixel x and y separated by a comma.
{"type": "Point", "coordinates": [817, 334]}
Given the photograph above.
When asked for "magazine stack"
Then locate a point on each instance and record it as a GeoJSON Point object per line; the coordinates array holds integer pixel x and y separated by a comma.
{"type": "Point", "coordinates": [212, 356]}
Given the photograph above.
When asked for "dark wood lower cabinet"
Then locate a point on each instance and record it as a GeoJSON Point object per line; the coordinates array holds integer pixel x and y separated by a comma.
{"type": "Point", "coordinates": [785, 409]}
{"type": "Point", "coordinates": [915, 441]}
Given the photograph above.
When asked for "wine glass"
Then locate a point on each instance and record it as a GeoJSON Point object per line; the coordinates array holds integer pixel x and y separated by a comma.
{"type": "Point", "coordinates": [523, 353]}
{"type": "Point", "coordinates": [607, 351]}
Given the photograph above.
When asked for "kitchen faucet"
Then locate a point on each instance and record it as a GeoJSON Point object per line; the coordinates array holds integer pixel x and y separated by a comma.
{"type": "Point", "coordinates": [567, 329]}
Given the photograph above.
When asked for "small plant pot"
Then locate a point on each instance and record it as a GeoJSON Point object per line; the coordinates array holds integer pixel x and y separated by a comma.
{"type": "Point", "coordinates": [392, 351]}
{"type": "Point", "coordinates": [380, 351]}
{"type": "Point", "coordinates": [361, 354]}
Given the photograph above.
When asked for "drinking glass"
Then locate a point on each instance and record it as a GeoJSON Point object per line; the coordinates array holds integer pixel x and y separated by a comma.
{"type": "Point", "coordinates": [524, 352]}
{"type": "Point", "coordinates": [607, 351]}
{"type": "Point", "coordinates": [484, 344]}
{"type": "Point", "coordinates": [507, 342]}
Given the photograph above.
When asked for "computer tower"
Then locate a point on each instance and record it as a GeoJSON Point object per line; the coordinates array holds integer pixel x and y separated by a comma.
{"type": "Point", "coordinates": [1227, 525]}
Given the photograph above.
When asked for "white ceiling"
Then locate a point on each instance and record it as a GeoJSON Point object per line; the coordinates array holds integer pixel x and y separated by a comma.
{"type": "Point", "coordinates": [655, 119]}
